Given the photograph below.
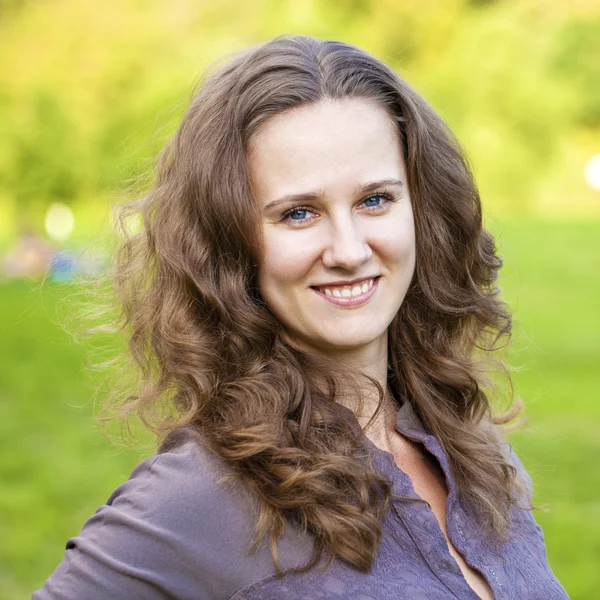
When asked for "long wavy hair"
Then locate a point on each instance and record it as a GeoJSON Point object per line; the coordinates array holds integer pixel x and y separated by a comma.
{"type": "Point", "coordinates": [211, 357]}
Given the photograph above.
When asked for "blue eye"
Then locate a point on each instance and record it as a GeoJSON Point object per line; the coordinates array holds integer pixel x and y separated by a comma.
{"type": "Point", "coordinates": [298, 211]}
{"type": "Point", "coordinates": [382, 200]}
{"type": "Point", "coordinates": [376, 197]}
{"type": "Point", "coordinates": [298, 214]}
{"type": "Point", "coordinates": [295, 212]}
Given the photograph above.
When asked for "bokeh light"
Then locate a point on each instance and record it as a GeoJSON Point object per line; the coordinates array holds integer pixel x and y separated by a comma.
{"type": "Point", "coordinates": [59, 221]}
{"type": "Point", "coordinates": [591, 172]}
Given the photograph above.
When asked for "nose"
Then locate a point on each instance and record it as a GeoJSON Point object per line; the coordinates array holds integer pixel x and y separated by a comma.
{"type": "Point", "coordinates": [346, 246]}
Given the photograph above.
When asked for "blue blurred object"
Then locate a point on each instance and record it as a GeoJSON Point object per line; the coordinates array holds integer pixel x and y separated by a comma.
{"type": "Point", "coordinates": [63, 267]}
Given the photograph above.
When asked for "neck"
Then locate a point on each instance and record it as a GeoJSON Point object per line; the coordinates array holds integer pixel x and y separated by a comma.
{"type": "Point", "coordinates": [370, 360]}
{"type": "Point", "coordinates": [382, 428]}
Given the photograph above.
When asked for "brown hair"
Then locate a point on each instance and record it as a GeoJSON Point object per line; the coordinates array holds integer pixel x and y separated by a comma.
{"type": "Point", "coordinates": [210, 354]}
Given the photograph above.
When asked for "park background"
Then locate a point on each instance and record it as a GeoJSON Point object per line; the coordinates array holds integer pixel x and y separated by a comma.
{"type": "Point", "coordinates": [90, 91]}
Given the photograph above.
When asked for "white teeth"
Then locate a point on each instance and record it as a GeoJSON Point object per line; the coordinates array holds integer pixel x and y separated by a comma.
{"type": "Point", "coordinates": [347, 292]}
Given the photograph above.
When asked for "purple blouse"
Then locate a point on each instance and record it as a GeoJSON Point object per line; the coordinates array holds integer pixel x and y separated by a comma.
{"type": "Point", "coordinates": [172, 532]}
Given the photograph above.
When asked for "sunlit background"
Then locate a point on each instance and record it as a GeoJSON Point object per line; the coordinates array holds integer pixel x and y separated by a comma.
{"type": "Point", "coordinates": [90, 91]}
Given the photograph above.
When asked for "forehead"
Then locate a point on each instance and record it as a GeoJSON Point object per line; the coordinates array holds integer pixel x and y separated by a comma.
{"type": "Point", "coordinates": [324, 146]}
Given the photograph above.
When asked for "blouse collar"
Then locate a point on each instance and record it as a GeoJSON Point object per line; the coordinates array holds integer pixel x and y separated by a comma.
{"type": "Point", "coordinates": [408, 422]}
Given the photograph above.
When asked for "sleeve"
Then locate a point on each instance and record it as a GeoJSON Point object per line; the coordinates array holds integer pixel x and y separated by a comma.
{"type": "Point", "coordinates": [167, 532]}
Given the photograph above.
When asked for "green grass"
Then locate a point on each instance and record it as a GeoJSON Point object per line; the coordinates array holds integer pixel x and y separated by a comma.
{"type": "Point", "coordinates": [56, 467]}
{"type": "Point", "coordinates": [551, 279]}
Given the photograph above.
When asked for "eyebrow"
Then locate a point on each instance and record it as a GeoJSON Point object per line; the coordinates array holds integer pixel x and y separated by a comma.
{"type": "Point", "coordinates": [311, 196]}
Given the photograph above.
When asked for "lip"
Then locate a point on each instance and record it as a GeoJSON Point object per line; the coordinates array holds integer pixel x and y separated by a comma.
{"type": "Point", "coordinates": [350, 302]}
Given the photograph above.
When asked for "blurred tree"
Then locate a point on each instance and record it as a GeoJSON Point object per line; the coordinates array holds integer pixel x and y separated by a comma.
{"type": "Point", "coordinates": [45, 162]}
{"type": "Point", "coordinates": [576, 62]}
{"type": "Point", "coordinates": [8, 6]}
{"type": "Point", "coordinates": [89, 93]}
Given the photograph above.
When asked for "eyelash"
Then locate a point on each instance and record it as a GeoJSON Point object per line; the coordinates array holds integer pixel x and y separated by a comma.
{"type": "Point", "coordinates": [285, 216]}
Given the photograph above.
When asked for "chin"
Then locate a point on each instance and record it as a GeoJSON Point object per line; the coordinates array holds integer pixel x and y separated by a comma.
{"type": "Point", "coordinates": [330, 336]}
{"type": "Point", "coordinates": [348, 342]}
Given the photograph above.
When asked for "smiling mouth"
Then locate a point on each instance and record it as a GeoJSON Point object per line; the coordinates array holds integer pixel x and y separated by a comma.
{"type": "Point", "coordinates": [349, 295]}
{"type": "Point", "coordinates": [347, 291]}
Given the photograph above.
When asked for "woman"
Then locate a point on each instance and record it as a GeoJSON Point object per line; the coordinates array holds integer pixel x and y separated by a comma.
{"type": "Point", "coordinates": [308, 302]}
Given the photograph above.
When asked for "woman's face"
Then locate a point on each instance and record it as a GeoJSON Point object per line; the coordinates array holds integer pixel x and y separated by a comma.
{"type": "Point", "coordinates": [339, 239]}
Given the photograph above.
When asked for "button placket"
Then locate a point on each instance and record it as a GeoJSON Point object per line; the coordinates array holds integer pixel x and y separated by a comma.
{"type": "Point", "coordinates": [426, 533]}
{"type": "Point", "coordinates": [433, 560]}
{"type": "Point", "coordinates": [488, 570]}
{"type": "Point", "coordinates": [429, 539]}
{"type": "Point", "coordinates": [453, 513]}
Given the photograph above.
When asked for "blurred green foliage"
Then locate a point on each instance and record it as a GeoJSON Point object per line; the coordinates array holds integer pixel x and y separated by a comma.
{"type": "Point", "coordinates": [90, 92]}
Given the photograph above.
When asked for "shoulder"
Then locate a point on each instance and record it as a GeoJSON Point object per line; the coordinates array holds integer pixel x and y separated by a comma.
{"type": "Point", "coordinates": [180, 485]}
{"type": "Point", "coordinates": [174, 529]}
{"type": "Point", "coordinates": [191, 505]}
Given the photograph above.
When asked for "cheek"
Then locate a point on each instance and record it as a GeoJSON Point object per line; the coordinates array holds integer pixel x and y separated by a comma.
{"type": "Point", "coordinates": [286, 262]}
{"type": "Point", "coordinates": [396, 245]}
{"type": "Point", "coordinates": [402, 251]}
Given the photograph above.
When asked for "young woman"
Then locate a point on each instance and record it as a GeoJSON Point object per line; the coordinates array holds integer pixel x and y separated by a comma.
{"type": "Point", "coordinates": [311, 301]}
